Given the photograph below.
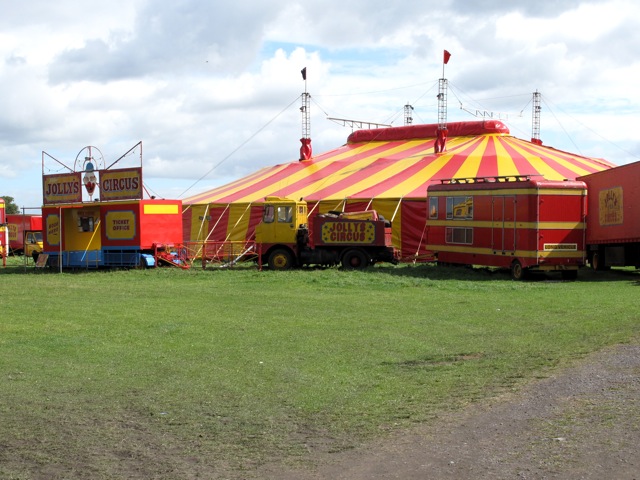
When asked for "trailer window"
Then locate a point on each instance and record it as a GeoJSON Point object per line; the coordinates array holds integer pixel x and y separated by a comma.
{"type": "Point", "coordinates": [459, 207]}
{"type": "Point", "coordinates": [433, 208]}
{"type": "Point", "coordinates": [460, 235]}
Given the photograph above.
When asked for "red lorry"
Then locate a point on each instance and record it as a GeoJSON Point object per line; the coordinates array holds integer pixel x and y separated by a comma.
{"type": "Point", "coordinates": [522, 223]}
{"type": "Point", "coordinates": [355, 240]}
{"type": "Point", "coordinates": [25, 234]}
{"type": "Point", "coordinates": [613, 220]}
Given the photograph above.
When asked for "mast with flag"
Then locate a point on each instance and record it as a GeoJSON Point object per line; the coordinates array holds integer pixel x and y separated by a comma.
{"type": "Point", "coordinates": [441, 133]}
{"type": "Point", "coordinates": [305, 148]}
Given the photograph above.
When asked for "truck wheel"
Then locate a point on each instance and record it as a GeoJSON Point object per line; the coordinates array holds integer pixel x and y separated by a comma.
{"type": "Point", "coordinates": [354, 259]}
{"type": "Point", "coordinates": [517, 272]}
{"type": "Point", "coordinates": [35, 256]}
{"type": "Point", "coordinates": [280, 259]}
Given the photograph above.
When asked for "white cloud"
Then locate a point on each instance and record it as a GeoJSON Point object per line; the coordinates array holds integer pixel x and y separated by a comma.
{"type": "Point", "coordinates": [213, 90]}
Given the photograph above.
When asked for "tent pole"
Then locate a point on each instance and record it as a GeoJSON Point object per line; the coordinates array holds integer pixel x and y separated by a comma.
{"type": "Point", "coordinates": [315, 205]}
{"type": "Point", "coordinates": [393, 217]}
{"type": "Point", "coordinates": [226, 238]}
{"type": "Point", "coordinates": [424, 230]}
{"type": "Point", "coordinates": [217, 222]}
{"type": "Point", "coordinates": [212, 229]}
{"type": "Point", "coordinates": [396, 210]}
{"type": "Point", "coordinates": [369, 204]}
{"type": "Point", "coordinates": [204, 217]}
{"type": "Point", "coordinates": [206, 211]}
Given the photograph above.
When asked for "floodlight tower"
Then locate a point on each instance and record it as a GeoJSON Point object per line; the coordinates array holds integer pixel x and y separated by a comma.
{"type": "Point", "coordinates": [408, 114]}
{"type": "Point", "coordinates": [305, 148]}
{"type": "Point", "coordinates": [442, 103]}
{"type": "Point", "coordinates": [441, 134]}
{"type": "Point", "coordinates": [535, 126]}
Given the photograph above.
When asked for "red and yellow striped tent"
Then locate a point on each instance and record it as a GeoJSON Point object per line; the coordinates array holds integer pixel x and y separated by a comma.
{"type": "Point", "coordinates": [385, 169]}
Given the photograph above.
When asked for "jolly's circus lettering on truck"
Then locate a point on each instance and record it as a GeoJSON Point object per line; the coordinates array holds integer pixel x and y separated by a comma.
{"type": "Point", "coordinates": [348, 232]}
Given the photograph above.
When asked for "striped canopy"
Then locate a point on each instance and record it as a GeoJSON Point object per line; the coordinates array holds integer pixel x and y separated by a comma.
{"type": "Point", "coordinates": [388, 169]}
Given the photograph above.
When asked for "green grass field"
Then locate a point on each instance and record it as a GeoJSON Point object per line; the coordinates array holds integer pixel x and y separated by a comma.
{"type": "Point", "coordinates": [206, 374]}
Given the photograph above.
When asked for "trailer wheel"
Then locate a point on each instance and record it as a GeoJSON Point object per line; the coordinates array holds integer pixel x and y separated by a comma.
{"type": "Point", "coordinates": [597, 261]}
{"type": "Point", "coordinates": [517, 272]}
{"type": "Point", "coordinates": [354, 260]}
{"type": "Point", "coordinates": [280, 259]}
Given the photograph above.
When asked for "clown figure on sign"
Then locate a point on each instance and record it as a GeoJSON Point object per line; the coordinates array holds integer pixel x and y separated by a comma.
{"type": "Point", "coordinates": [90, 180]}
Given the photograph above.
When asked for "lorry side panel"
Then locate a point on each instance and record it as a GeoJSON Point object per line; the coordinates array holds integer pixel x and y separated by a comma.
{"type": "Point", "coordinates": [613, 206]}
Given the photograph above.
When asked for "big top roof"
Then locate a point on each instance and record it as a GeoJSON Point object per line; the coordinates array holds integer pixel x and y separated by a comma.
{"type": "Point", "coordinates": [400, 162]}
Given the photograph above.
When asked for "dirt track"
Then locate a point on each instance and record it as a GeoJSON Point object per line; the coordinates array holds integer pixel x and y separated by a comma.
{"type": "Point", "coordinates": [581, 423]}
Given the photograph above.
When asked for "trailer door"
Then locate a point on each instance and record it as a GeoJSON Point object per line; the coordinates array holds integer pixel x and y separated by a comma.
{"type": "Point", "coordinates": [504, 224]}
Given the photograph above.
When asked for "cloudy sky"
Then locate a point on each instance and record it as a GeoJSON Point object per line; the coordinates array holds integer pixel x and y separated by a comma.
{"type": "Point", "coordinates": [212, 88]}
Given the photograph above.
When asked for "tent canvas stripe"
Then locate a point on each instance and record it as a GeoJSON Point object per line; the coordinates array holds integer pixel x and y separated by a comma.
{"type": "Point", "coordinates": [398, 183]}
{"type": "Point", "coordinates": [548, 168]}
{"type": "Point", "coordinates": [238, 223]}
{"type": "Point", "coordinates": [574, 163]}
{"type": "Point", "coordinates": [455, 160]}
{"type": "Point", "coordinates": [302, 183]}
{"type": "Point", "coordinates": [413, 182]}
{"type": "Point", "coordinates": [471, 165]}
{"type": "Point", "coordinates": [299, 172]}
{"type": "Point", "coordinates": [265, 176]}
{"type": "Point", "coordinates": [212, 196]}
{"type": "Point", "coordinates": [505, 162]}
{"type": "Point", "coordinates": [376, 173]}
{"type": "Point", "coordinates": [250, 191]}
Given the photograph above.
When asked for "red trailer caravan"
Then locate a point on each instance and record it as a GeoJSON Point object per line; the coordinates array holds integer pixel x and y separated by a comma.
{"type": "Point", "coordinates": [613, 221]}
{"type": "Point", "coordinates": [518, 222]}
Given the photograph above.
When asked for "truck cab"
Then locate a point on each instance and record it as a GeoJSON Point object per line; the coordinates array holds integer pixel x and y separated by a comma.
{"type": "Point", "coordinates": [281, 219]}
{"type": "Point", "coordinates": [278, 232]}
{"type": "Point", "coordinates": [33, 245]}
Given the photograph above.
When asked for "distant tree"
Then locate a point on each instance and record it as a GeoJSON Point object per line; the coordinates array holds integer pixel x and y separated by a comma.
{"type": "Point", "coordinates": [10, 206]}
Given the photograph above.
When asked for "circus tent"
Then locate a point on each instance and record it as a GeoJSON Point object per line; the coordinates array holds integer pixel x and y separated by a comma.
{"type": "Point", "coordinates": [386, 169]}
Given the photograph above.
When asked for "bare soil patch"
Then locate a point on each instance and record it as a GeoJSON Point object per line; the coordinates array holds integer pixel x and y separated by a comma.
{"type": "Point", "coordinates": [581, 423]}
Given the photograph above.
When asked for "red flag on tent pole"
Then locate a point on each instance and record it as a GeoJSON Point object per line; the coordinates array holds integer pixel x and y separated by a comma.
{"type": "Point", "coordinates": [447, 56]}
{"type": "Point", "coordinates": [304, 73]}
